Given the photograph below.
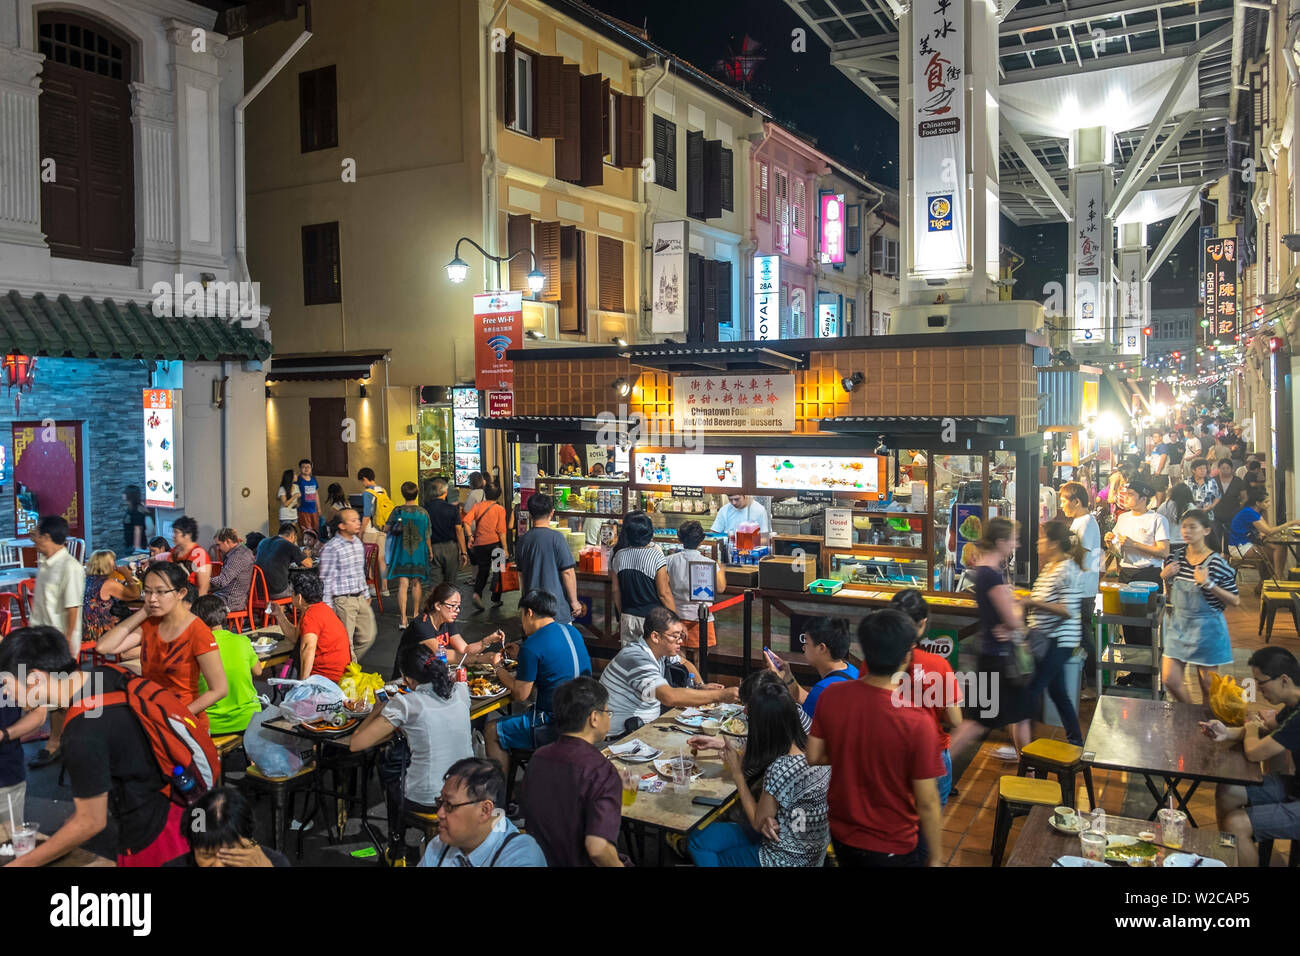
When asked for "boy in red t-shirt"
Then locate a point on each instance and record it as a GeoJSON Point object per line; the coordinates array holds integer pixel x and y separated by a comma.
{"type": "Point", "coordinates": [884, 757]}
{"type": "Point", "coordinates": [934, 686]}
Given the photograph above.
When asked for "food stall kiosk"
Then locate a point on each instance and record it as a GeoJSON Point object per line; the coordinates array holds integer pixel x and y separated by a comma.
{"type": "Point", "coordinates": [831, 455]}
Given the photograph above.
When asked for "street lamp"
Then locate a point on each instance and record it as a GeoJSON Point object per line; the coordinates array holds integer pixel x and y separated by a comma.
{"type": "Point", "coordinates": [458, 268]}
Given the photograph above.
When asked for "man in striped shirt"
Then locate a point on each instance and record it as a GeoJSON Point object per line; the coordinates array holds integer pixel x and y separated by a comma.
{"type": "Point", "coordinates": [637, 683]}
{"type": "Point", "coordinates": [343, 578]}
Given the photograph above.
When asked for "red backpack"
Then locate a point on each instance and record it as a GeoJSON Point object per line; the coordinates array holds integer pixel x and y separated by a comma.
{"type": "Point", "coordinates": [173, 732]}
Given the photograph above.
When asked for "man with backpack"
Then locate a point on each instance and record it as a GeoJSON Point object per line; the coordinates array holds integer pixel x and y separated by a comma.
{"type": "Point", "coordinates": [376, 506]}
{"type": "Point", "coordinates": [121, 732]}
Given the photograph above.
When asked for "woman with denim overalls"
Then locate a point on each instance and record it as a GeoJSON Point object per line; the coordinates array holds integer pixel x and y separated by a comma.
{"type": "Point", "coordinates": [1200, 583]}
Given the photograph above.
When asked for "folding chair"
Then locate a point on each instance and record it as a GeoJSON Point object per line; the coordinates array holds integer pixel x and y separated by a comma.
{"type": "Point", "coordinates": [27, 591]}
{"type": "Point", "coordinates": [7, 600]}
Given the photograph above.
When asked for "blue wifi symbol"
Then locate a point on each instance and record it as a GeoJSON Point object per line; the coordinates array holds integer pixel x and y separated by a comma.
{"type": "Point", "coordinates": [499, 344]}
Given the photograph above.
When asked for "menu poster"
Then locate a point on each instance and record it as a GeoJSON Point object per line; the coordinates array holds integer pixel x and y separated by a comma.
{"type": "Point", "coordinates": [968, 519]}
{"type": "Point", "coordinates": [705, 471]}
{"type": "Point", "coordinates": [162, 460]}
{"type": "Point", "coordinates": [839, 527]}
{"type": "Point", "coordinates": [528, 465]}
{"type": "Point", "coordinates": [465, 433]}
{"type": "Point", "coordinates": [796, 473]}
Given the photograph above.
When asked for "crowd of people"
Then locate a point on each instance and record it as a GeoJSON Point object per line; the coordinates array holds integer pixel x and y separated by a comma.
{"type": "Point", "coordinates": [809, 780]}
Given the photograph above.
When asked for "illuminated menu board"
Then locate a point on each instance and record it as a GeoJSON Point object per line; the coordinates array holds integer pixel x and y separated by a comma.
{"type": "Point", "coordinates": [161, 454]}
{"type": "Point", "coordinates": [795, 473]}
{"type": "Point", "coordinates": [703, 471]}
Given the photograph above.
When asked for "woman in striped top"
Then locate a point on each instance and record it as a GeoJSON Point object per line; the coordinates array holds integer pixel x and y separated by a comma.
{"type": "Point", "coordinates": [1201, 583]}
{"type": "Point", "coordinates": [1053, 608]}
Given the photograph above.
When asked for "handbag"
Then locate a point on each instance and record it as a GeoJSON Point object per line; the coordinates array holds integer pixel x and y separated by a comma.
{"type": "Point", "coordinates": [1017, 662]}
{"type": "Point", "coordinates": [1041, 642]}
{"type": "Point", "coordinates": [677, 674]}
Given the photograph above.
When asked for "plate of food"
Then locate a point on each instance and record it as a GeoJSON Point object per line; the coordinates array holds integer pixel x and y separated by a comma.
{"type": "Point", "coordinates": [634, 751]}
{"type": "Point", "coordinates": [358, 708]}
{"type": "Point", "coordinates": [735, 727]}
{"type": "Point", "coordinates": [481, 688]}
{"type": "Point", "coordinates": [1191, 859]}
{"type": "Point", "coordinates": [693, 721]}
{"type": "Point", "coordinates": [667, 765]}
{"type": "Point", "coordinates": [264, 643]}
{"type": "Point", "coordinates": [1126, 849]}
{"type": "Point", "coordinates": [327, 725]}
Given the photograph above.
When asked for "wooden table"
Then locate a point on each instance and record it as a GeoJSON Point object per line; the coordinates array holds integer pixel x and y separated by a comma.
{"type": "Point", "coordinates": [669, 812]}
{"type": "Point", "coordinates": [283, 649]}
{"type": "Point", "coordinates": [1161, 739]}
{"type": "Point", "coordinates": [1287, 539]}
{"type": "Point", "coordinates": [1041, 845]}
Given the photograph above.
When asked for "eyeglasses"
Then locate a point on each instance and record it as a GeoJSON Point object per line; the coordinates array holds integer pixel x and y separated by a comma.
{"type": "Point", "coordinates": [442, 804]}
{"type": "Point", "coordinates": [453, 607]}
{"type": "Point", "coordinates": [675, 637]}
{"type": "Point", "coordinates": [152, 592]}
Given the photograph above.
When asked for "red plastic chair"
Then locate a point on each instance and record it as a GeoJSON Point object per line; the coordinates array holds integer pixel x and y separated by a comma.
{"type": "Point", "coordinates": [4, 622]}
{"type": "Point", "coordinates": [8, 599]}
{"type": "Point", "coordinates": [260, 600]}
{"type": "Point", "coordinates": [27, 590]}
{"type": "Point", "coordinates": [372, 572]}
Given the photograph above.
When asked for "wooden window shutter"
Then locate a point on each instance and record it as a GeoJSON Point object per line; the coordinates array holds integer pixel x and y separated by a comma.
{"type": "Point", "coordinates": [665, 152]}
{"type": "Point", "coordinates": [708, 301]}
{"type": "Point", "coordinates": [321, 269]}
{"type": "Point", "coordinates": [506, 81]}
{"type": "Point", "coordinates": [798, 214]}
{"type": "Point", "coordinates": [712, 178]}
{"type": "Point", "coordinates": [329, 453]}
{"type": "Point", "coordinates": [631, 131]}
{"type": "Point", "coordinates": [568, 148]}
{"type": "Point", "coordinates": [84, 116]}
{"type": "Point", "coordinates": [728, 180]}
{"type": "Point", "coordinates": [609, 268]}
{"type": "Point", "coordinates": [853, 229]}
{"type": "Point", "coordinates": [573, 275]}
{"type": "Point", "coordinates": [519, 237]}
{"type": "Point", "coordinates": [548, 259]}
{"type": "Point", "coordinates": [722, 283]}
{"type": "Point", "coordinates": [549, 87]}
{"type": "Point", "coordinates": [761, 192]}
{"type": "Point", "coordinates": [695, 174]}
{"type": "Point", "coordinates": [592, 99]}
{"type": "Point", "coordinates": [695, 298]}
{"type": "Point", "coordinates": [606, 105]}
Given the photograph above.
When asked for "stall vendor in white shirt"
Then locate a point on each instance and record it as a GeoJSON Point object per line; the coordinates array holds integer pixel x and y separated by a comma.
{"type": "Point", "coordinates": [739, 510]}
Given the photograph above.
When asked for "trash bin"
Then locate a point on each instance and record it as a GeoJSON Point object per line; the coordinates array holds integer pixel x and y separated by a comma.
{"type": "Point", "coordinates": [1073, 677]}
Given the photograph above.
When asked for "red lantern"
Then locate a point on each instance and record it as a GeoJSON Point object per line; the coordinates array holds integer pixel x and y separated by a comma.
{"type": "Point", "coordinates": [20, 371]}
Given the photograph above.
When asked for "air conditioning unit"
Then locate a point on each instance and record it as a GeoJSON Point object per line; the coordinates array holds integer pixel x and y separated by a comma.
{"type": "Point", "coordinates": [966, 317]}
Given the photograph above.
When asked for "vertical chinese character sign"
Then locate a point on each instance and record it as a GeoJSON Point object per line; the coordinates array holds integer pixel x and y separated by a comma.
{"type": "Point", "coordinates": [1089, 198]}
{"type": "Point", "coordinates": [832, 229]}
{"type": "Point", "coordinates": [938, 137]}
{"type": "Point", "coordinates": [498, 327]}
{"type": "Point", "coordinates": [1221, 307]}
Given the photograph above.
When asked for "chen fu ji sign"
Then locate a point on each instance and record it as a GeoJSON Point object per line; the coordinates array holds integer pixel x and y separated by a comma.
{"type": "Point", "coordinates": [498, 327]}
{"type": "Point", "coordinates": [938, 137]}
{"type": "Point", "coordinates": [1221, 306]}
{"type": "Point", "coordinates": [734, 403]}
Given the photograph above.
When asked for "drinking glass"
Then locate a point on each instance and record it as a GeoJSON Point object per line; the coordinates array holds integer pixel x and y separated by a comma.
{"type": "Point", "coordinates": [24, 838]}
{"type": "Point", "coordinates": [1173, 823]}
{"type": "Point", "coordinates": [631, 784]}
{"type": "Point", "coordinates": [1093, 846]}
{"type": "Point", "coordinates": [682, 775]}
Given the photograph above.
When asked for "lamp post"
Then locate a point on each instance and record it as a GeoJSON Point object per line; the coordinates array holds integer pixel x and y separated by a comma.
{"type": "Point", "coordinates": [458, 268]}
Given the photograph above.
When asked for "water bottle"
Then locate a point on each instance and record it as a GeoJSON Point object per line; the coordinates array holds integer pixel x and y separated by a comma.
{"type": "Point", "coordinates": [442, 655]}
{"type": "Point", "coordinates": [185, 785]}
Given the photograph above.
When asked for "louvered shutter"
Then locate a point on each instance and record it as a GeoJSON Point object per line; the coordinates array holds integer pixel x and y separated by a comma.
{"type": "Point", "coordinates": [631, 131]}
{"type": "Point", "coordinates": [695, 174]}
{"type": "Point", "coordinates": [665, 155]}
{"type": "Point", "coordinates": [572, 280]}
{"type": "Point", "coordinates": [712, 178]}
{"type": "Point", "coordinates": [593, 102]}
{"type": "Point", "coordinates": [568, 148]}
{"type": "Point", "coordinates": [519, 237]}
{"type": "Point", "coordinates": [550, 97]}
{"type": "Point", "coordinates": [609, 254]}
{"type": "Point", "coordinates": [547, 238]}
{"type": "Point", "coordinates": [728, 180]}
{"type": "Point", "coordinates": [506, 72]}
{"type": "Point", "coordinates": [722, 283]}
{"type": "Point", "coordinates": [761, 193]}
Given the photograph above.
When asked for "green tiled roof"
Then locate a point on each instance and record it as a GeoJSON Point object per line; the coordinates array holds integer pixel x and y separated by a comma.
{"type": "Point", "coordinates": [102, 328]}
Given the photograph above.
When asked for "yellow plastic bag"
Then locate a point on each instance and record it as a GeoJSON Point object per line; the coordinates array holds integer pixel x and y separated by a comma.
{"type": "Point", "coordinates": [1226, 700]}
{"type": "Point", "coordinates": [357, 685]}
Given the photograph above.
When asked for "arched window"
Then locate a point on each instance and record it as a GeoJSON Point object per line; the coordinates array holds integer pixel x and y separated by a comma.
{"type": "Point", "coordinates": [88, 193]}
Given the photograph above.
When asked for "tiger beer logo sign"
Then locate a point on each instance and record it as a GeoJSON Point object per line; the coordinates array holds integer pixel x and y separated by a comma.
{"type": "Point", "coordinates": [941, 213]}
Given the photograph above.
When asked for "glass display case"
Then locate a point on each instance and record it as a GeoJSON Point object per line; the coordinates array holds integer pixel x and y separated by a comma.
{"type": "Point", "coordinates": [670, 511]}
{"type": "Point", "coordinates": [867, 568]}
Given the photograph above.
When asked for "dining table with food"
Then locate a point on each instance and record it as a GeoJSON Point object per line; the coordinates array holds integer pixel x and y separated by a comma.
{"type": "Point", "coordinates": [1063, 836]}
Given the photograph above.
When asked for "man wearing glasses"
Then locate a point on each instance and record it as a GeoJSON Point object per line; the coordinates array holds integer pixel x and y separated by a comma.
{"type": "Point", "coordinates": [472, 826]}
{"type": "Point", "coordinates": [638, 683]}
{"type": "Point", "coordinates": [1269, 810]}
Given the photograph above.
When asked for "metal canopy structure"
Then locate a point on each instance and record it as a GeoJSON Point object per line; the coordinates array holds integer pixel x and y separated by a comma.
{"type": "Point", "coordinates": [722, 358]}
{"type": "Point", "coordinates": [1040, 39]}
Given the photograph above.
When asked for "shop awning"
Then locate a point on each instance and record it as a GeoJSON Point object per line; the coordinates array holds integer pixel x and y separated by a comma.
{"type": "Point", "coordinates": [716, 358]}
{"type": "Point", "coordinates": [968, 432]}
{"type": "Point", "coordinates": [556, 427]}
{"type": "Point", "coordinates": [323, 366]}
{"type": "Point", "coordinates": [103, 328]}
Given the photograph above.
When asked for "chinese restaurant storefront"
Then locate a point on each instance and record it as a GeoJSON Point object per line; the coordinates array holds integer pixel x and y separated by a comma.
{"type": "Point", "coordinates": [860, 466]}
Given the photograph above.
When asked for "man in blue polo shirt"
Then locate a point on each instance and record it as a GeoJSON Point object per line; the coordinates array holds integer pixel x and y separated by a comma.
{"type": "Point", "coordinates": [551, 654]}
{"type": "Point", "coordinates": [825, 642]}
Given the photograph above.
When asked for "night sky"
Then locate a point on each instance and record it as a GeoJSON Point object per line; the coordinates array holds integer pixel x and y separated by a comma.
{"type": "Point", "coordinates": [804, 92]}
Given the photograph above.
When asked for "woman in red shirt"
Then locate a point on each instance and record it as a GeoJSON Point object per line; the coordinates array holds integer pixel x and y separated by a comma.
{"type": "Point", "coordinates": [488, 519]}
{"type": "Point", "coordinates": [175, 646]}
{"type": "Point", "coordinates": [185, 534]}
